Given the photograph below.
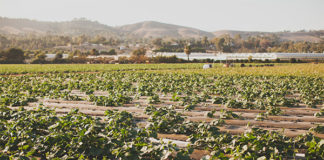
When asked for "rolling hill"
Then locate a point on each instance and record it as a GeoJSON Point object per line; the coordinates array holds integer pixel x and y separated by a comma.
{"type": "Point", "coordinates": [156, 29]}
{"type": "Point", "coordinates": [74, 27]}
{"type": "Point", "coordinates": [146, 29]}
{"type": "Point", "coordinates": [312, 36]}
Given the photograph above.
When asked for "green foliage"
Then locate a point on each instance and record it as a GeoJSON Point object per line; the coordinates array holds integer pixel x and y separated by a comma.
{"type": "Point", "coordinates": [187, 50]}
{"type": "Point", "coordinates": [139, 52]}
{"type": "Point", "coordinates": [320, 113]}
{"type": "Point", "coordinates": [211, 114]}
{"type": "Point", "coordinates": [12, 56]}
{"type": "Point", "coordinates": [154, 99]}
{"type": "Point", "coordinates": [224, 114]}
{"type": "Point", "coordinates": [207, 135]}
{"type": "Point", "coordinates": [318, 129]}
{"type": "Point", "coordinates": [260, 117]}
{"type": "Point", "coordinates": [112, 52]}
{"type": "Point", "coordinates": [167, 120]}
{"type": "Point", "coordinates": [271, 110]}
{"type": "Point", "coordinates": [41, 133]}
{"type": "Point", "coordinates": [314, 145]}
{"type": "Point", "coordinates": [111, 100]}
{"type": "Point", "coordinates": [219, 100]}
{"type": "Point", "coordinates": [46, 135]}
{"type": "Point", "coordinates": [260, 143]}
{"type": "Point", "coordinates": [167, 59]}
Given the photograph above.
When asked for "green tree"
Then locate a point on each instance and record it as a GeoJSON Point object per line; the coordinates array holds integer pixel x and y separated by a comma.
{"type": "Point", "coordinates": [205, 42]}
{"type": "Point", "coordinates": [13, 56]}
{"type": "Point", "coordinates": [292, 60]}
{"type": "Point", "coordinates": [138, 56]}
{"type": "Point", "coordinates": [187, 50]}
{"type": "Point", "coordinates": [139, 52]}
{"type": "Point", "coordinates": [39, 58]}
{"type": "Point", "coordinates": [94, 52]}
{"type": "Point", "coordinates": [220, 44]}
{"type": "Point", "coordinates": [112, 52]}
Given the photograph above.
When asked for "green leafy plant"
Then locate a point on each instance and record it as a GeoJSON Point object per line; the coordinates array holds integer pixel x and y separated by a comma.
{"type": "Point", "coordinates": [318, 129]}
{"type": "Point", "coordinates": [154, 99]}
{"type": "Point", "coordinates": [260, 117]}
{"type": "Point", "coordinates": [41, 133]}
{"type": "Point", "coordinates": [224, 114]}
{"type": "Point", "coordinates": [320, 113]}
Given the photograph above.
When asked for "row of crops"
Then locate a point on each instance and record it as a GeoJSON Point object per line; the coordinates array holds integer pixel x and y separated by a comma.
{"type": "Point", "coordinates": [279, 69]}
{"type": "Point", "coordinates": [44, 134]}
{"type": "Point", "coordinates": [247, 92]}
{"type": "Point", "coordinates": [8, 69]}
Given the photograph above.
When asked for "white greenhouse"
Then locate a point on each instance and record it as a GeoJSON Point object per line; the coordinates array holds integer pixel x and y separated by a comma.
{"type": "Point", "coordinates": [270, 56]}
{"type": "Point", "coordinates": [244, 56]}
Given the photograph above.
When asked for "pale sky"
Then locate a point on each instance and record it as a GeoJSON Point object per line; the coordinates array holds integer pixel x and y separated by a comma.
{"type": "Point", "coordinates": [208, 15]}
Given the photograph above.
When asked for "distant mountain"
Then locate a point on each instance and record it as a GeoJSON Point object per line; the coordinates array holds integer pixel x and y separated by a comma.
{"type": "Point", "coordinates": [146, 29]}
{"type": "Point", "coordinates": [312, 36]}
{"type": "Point", "coordinates": [154, 29]}
{"type": "Point", "coordinates": [74, 27]}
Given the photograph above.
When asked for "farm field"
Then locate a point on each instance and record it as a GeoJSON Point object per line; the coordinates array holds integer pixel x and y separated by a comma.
{"type": "Point", "coordinates": [137, 111]}
{"type": "Point", "coordinates": [7, 69]}
{"type": "Point", "coordinates": [58, 68]}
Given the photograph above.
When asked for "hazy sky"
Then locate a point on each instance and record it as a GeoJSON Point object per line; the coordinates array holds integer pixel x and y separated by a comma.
{"type": "Point", "coordinates": [209, 15]}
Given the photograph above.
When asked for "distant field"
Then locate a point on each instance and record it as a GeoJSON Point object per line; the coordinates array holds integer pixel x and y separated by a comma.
{"type": "Point", "coordinates": [44, 68]}
{"type": "Point", "coordinates": [278, 69]}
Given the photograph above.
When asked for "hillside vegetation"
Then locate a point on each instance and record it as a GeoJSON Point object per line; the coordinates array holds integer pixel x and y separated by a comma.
{"type": "Point", "coordinates": [146, 29]}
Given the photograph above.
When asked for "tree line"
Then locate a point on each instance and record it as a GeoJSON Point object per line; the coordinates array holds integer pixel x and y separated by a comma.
{"type": "Point", "coordinates": [19, 56]}
{"type": "Point", "coordinates": [236, 44]}
{"type": "Point", "coordinates": [224, 43]}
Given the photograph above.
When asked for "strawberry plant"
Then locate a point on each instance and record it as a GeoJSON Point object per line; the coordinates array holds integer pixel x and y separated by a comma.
{"type": "Point", "coordinates": [260, 117]}
{"type": "Point", "coordinates": [154, 99]}
{"type": "Point", "coordinates": [224, 114]}
{"type": "Point", "coordinates": [166, 120]}
{"type": "Point", "coordinates": [320, 113]}
{"type": "Point", "coordinates": [41, 133]}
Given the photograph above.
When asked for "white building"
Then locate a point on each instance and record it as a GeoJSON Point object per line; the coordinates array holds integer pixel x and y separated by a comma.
{"type": "Point", "coordinates": [115, 57]}
{"type": "Point", "coordinates": [243, 56]}
{"type": "Point", "coordinates": [184, 55]}
{"type": "Point", "coordinates": [50, 56]}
